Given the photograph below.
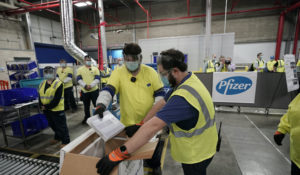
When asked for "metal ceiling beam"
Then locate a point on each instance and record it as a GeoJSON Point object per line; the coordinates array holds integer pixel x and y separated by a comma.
{"type": "Point", "coordinates": [196, 16]}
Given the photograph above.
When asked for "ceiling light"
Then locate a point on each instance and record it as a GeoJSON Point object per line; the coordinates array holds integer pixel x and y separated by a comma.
{"type": "Point", "coordinates": [81, 4]}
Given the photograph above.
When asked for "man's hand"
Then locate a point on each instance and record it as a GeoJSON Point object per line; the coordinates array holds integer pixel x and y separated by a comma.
{"type": "Point", "coordinates": [87, 87]}
{"type": "Point", "coordinates": [107, 163]}
{"type": "Point", "coordinates": [278, 137]}
{"type": "Point", "coordinates": [43, 107]}
{"type": "Point", "coordinates": [99, 110]}
{"type": "Point", "coordinates": [131, 130]}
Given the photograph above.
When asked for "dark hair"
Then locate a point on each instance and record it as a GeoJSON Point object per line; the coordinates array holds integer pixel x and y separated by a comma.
{"type": "Point", "coordinates": [258, 54]}
{"type": "Point", "coordinates": [132, 49]}
{"type": "Point", "coordinates": [87, 56]}
{"type": "Point", "coordinates": [172, 58]}
{"type": "Point", "coordinates": [62, 60]}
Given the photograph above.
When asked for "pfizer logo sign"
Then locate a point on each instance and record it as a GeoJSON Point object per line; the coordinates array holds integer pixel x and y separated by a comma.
{"type": "Point", "coordinates": [233, 85]}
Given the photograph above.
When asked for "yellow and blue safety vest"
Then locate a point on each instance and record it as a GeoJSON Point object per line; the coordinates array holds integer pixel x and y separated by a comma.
{"type": "Point", "coordinates": [47, 97]}
{"type": "Point", "coordinates": [199, 143]}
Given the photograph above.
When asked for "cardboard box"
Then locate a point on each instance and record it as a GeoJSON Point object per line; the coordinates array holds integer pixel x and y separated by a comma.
{"type": "Point", "coordinates": [81, 155]}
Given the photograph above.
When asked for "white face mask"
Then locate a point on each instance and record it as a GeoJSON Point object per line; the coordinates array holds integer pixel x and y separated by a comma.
{"type": "Point", "coordinates": [63, 64]}
{"type": "Point", "coordinates": [88, 63]}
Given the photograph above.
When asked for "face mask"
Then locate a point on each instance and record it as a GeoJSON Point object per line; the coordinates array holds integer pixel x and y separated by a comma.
{"type": "Point", "coordinates": [88, 63]}
{"type": "Point", "coordinates": [227, 61]}
{"type": "Point", "coordinates": [48, 76]}
{"type": "Point", "coordinates": [63, 64]}
{"type": "Point", "coordinates": [132, 65]}
{"type": "Point", "coordinates": [165, 81]}
{"type": "Point", "coordinates": [120, 62]}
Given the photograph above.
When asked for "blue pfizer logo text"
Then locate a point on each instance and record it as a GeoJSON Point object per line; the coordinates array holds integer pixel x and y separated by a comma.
{"type": "Point", "coordinates": [234, 85]}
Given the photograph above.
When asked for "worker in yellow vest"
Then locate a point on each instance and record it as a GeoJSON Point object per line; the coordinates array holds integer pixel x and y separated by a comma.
{"type": "Point", "coordinates": [65, 75]}
{"type": "Point", "coordinates": [51, 100]}
{"type": "Point", "coordinates": [298, 66]}
{"type": "Point", "coordinates": [271, 64]}
{"type": "Point", "coordinates": [290, 124]}
{"type": "Point", "coordinates": [120, 63]}
{"type": "Point", "coordinates": [280, 66]}
{"type": "Point", "coordinates": [210, 65]}
{"type": "Point", "coordinates": [139, 87]}
{"type": "Point", "coordinates": [105, 74]}
{"type": "Point", "coordinates": [225, 65]}
{"type": "Point", "coordinates": [189, 112]}
{"type": "Point", "coordinates": [259, 64]}
{"type": "Point", "coordinates": [88, 77]}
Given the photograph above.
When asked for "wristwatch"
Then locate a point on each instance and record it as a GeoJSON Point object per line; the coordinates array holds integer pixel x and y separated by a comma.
{"type": "Point", "coordinates": [123, 148]}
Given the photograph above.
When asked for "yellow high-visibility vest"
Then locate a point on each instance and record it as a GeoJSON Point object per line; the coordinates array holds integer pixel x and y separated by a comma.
{"type": "Point", "coordinates": [47, 97]}
{"type": "Point", "coordinates": [199, 143]}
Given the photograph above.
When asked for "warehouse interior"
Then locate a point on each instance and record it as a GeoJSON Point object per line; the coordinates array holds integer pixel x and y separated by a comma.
{"type": "Point", "coordinates": [37, 34]}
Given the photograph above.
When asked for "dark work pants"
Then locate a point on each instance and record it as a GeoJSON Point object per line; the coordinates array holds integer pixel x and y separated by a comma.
{"type": "Point", "coordinates": [295, 169]}
{"type": "Point", "coordinates": [87, 98]}
{"type": "Point", "coordinates": [58, 123]}
{"type": "Point", "coordinates": [196, 168]}
{"type": "Point", "coordinates": [69, 98]}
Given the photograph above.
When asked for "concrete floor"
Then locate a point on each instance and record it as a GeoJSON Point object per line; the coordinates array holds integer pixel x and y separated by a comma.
{"type": "Point", "coordinates": [247, 145]}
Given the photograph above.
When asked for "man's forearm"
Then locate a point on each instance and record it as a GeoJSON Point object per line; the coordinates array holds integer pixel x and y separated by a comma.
{"type": "Point", "coordinates": [144, 134]}
{"type": "Point", "coordinates": [158, 106]}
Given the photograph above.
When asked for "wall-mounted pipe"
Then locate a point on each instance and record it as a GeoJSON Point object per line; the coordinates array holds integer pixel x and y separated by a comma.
{"type": "Point", "coordinates": [28, 30]}
{"type": "Point", "coordinates": [195, 16]}
{"type": "Point", "coordinates": [102, 36]}
{"type": "Point", "coordinates": [147, 13]}
{"type": "Point", "coordinates": [66, 9]}
{"type": "Point", "coordinates": [296, 34]}
{"type": "Point", "coordinates": [279, 35]}
{"type": "Point", "coordinates": [281, 27]}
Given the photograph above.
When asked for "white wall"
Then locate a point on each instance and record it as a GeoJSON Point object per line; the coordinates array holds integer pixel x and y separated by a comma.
{"type": "Point", "coordinates": [45, 30]}
{"type": "Point", "coordinates": [193, 46]}
{"type": "Point", "coordinates": [246, 53]}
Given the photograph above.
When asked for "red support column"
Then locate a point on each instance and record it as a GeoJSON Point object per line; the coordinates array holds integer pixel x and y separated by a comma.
{"type": "Point", "coordinates": [279, 36]}
{"type": "Point", "coordinates": [296, 34]}
{"type": "Point", "coordinates": [188, 7]}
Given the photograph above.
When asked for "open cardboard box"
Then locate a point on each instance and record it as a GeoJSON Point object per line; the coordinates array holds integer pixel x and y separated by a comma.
{"type": "Point", "coordinates": [81, 155]}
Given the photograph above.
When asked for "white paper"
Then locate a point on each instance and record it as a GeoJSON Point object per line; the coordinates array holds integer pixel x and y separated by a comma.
{"type": "Point", "coordinates": [292, 81]}
{"type": "Point", "coordinates": [107, 127]}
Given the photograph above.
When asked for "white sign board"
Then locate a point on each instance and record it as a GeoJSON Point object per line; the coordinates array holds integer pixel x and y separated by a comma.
{"type": "Point", "coordinates": [234, 87]}
{"type": "Point", "coordinates": [292, 81]}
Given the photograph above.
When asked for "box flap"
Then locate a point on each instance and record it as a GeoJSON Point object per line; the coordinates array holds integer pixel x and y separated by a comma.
{"type": "Point", "coordinates": [77, 164]}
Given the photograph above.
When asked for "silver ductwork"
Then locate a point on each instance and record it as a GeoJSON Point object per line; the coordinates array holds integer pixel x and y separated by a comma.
{"type": "Point", "coordinates": [66, 17]}
{"type": "Point", "coordinates": [102, 29]}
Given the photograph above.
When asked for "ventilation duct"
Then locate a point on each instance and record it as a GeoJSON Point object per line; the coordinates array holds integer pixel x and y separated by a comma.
{"type": "Point", "coordinates": [66, 9]}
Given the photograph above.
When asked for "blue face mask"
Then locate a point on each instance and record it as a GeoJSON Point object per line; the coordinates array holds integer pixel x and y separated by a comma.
{"type": "Point", "coordinates": [63, 64]}
{"type": "Point", "coordinates": [165, 81]}
{"type": "Point", "coordinates": [120, 62]}
{"type": "Point", "coordinates": [88, 63]}
{"type": "Point", "coordinates": [132, 65]}
{"type": "Point", "coordinates": [48, 76]}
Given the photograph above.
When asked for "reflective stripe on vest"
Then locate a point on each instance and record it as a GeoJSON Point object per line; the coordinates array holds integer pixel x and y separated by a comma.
{"type": "Point", "coordinates": [209, 121]}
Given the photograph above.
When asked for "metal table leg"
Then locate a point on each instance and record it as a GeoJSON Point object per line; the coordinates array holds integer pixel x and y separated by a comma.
{"type": "Point", "coordinates": [4, 133]}
{"type": "Point", "coordinates": [21, 127]}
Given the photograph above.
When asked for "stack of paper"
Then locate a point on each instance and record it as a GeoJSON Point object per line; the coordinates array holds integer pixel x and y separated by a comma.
{"type": "Point", "coordinates": [107, 127]}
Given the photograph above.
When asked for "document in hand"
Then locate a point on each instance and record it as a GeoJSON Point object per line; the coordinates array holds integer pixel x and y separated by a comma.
{"type": "Point", "coordinates": [107, 127]}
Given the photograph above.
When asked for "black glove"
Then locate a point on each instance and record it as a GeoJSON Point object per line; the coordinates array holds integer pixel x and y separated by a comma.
{"type": "Point", "coordinates": [100, 109]}
{"type": "Point", "coordinates": [130, 130]}
{"type": "Point", "coordinates": [105, 166]}
{"type": "Point", "coordinates": [107, 163]}
{"type": "Point", "coordinates": [278, 137]}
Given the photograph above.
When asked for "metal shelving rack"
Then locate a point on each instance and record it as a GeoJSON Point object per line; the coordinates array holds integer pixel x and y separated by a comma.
{"type": "Point", "coordinates": [21, 71]}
